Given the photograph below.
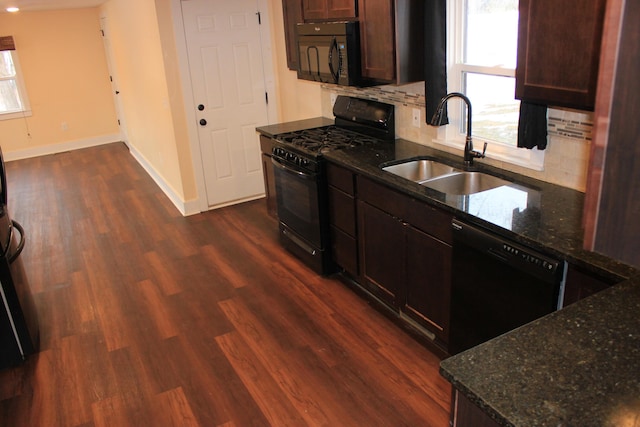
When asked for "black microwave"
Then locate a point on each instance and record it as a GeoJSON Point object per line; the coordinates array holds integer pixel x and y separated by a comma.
{"type": "Point", "coordinates": [329, 52]}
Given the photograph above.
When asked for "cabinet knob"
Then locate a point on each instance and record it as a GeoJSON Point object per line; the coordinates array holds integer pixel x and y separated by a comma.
{"type": "Point", "coordinates": [203, 122]}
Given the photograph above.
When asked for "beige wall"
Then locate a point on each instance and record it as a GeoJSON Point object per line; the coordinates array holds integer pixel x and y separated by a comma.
{"type": "Point", "coordinates": [298, 99]}
{"type": "Point", "coordinates": [153, 112]}
{"type": "Point", "coordinates": [65, 71]}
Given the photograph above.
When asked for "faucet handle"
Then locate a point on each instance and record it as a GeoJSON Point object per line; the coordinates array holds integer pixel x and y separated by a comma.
{"type": "Point", "coordinates": [479, 155]}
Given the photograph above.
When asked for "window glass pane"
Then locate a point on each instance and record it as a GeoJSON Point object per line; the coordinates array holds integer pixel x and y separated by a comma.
{"type": "Point", "coordinates": [9, 97]}
{"type": "Point", "coordinates": [492, 33]}
{"type": "Point", "coordinates": [6, 65]}
{"type": "Point", "coordinates": [495, 111]}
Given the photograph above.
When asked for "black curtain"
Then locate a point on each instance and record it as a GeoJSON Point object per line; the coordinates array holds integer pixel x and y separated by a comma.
{"type": "Point", "coordinates": [532, 126]}
{"type": "Point", "coordinates": [435, 78]}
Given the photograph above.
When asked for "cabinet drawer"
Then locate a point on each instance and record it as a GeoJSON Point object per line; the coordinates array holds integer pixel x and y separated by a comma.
{"type": "Point", "coordinates": [342, 211]}
{"type": "Point", "coordinates": [341, 178]}
{"type": "Point", "coordinates": [430, 220]}
{"type": "Point", "coordinates": [383, 198]}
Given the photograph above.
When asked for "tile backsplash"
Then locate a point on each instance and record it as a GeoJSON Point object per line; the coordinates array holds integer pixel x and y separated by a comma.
{"type": "Point", "coordinates": [566, 157]}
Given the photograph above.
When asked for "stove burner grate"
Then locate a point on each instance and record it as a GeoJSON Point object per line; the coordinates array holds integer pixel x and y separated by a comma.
{"type": "Point", "coordinates": [324, 139]}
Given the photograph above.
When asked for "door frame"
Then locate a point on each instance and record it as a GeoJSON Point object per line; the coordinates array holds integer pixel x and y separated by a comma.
{"type": "Point", "coordinates": [115, 81]}
{"type": "Point", "coordinates": [187, 90]}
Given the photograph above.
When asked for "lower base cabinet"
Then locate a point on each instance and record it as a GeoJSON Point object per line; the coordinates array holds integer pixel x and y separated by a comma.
{"type": "Point", "coordinates": [428, 294]}
{"type": "Point", "coordinates": [465, 413]}
{"type": "Point", "coordinates": [382, 253]}
{"type": "Point", "coordinates": [405, 256]}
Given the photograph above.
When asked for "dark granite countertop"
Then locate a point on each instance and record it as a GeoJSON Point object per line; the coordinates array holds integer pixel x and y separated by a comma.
{"type": "Point", "coordinates": [577, 367]}
{"type": "Point", "coordinates": [538, 214]}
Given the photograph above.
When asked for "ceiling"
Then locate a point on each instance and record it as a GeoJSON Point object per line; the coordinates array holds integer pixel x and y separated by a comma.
{"type": "Point", "coordinates": [30, 5]}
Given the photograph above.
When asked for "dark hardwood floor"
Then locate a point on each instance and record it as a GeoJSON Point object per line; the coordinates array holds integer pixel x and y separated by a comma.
{"type": "Point", "coordinates": [149, 318]}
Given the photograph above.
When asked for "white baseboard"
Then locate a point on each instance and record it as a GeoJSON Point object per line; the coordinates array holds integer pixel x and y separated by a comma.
{"type": "Point", "coordinates": [60, 148]}
{"type": "Point", "coordinates": [185, 208]}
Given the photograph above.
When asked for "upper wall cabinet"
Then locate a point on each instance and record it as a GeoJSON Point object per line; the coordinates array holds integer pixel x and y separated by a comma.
{"type": "Point", "coordinates": [559, 51]}
{"type": "Point", "coordinates": [292, 14]}
{"type": "Point", "coordinates": [392, 40]}
{"type": "Point", "coordinates": [322, 10]}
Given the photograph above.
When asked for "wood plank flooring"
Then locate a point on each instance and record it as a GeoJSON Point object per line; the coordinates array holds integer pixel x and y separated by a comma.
{"type": "Point", "coordinates": [149, 318]}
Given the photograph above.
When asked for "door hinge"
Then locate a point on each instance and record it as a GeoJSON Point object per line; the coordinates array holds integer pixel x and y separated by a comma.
{"type": "Point", "coordinates": [259, 18]}
{"type": "Point", "coordinates": [266, 97]}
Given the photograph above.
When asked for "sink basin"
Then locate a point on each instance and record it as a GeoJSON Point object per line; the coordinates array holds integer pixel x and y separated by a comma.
{"type": "Point", "coordinates": [419, 170]}
{"type": "Point", "coordinates": [463, 183]}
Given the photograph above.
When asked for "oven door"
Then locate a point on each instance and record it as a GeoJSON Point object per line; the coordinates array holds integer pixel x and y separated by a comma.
{"type": "Point", "coordinates": [302, 228]}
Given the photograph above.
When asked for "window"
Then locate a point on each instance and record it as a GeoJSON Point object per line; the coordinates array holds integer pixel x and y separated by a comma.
{"type": "Point", "coordinates": [482, 49]}
{"type": "Point", "coordinates": [13, 96]}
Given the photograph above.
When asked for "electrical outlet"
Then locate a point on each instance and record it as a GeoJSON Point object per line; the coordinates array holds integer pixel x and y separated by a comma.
{"type": "Point", "coordinates": [64, 126]}
{"type": "Point", "coordinates": [415, 118]}
{"type": "Point", "coordinates": [333, 99]}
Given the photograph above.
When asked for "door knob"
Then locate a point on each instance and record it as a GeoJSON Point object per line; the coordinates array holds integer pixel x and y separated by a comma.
{"type": "Point", "coordinates": [203, 122]}
{"type": "Point", "coordinates": [200, 107]}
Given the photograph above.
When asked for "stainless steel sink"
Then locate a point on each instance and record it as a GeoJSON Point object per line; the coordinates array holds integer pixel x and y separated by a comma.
{"type": "Point", "coordinates": [419, 170]}
{"type": "Point", "coordinates": [463, 183]}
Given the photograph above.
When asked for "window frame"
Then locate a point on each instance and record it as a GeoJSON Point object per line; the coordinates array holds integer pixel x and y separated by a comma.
{"type": "Point", "coordinates": [453, 135]}
{"type": "Point", "coordinates": [22, 91]}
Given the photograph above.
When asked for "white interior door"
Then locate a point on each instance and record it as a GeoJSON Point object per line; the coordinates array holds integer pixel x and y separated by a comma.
{"type": "Point", "coordinates": [227, 77]}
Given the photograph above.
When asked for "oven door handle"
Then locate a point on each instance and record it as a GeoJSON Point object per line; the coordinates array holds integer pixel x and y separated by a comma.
{"type": "Point", "coordinates": [300, 174]}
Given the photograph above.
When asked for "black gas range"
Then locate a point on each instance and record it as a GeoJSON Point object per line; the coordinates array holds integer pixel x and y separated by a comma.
{"type": "Point", "coordinates": [301, 187]}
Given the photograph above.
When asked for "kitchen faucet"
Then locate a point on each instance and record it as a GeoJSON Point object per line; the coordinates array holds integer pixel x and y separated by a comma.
{"type": "Point", "coordinates": [469, 152]}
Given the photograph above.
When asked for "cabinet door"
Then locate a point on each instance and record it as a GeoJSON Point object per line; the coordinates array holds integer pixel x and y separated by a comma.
{"type": "Point", "coordinates": [428, 282]}
{"type": "Point", "coordinates": [319, 10]}
{"type": "Point", "coordinates": [292, 15]}
{"type": "Point", "coordinates": [377, 39]}
{"type": "Point", "coordinates": [342, 219]}
{"type": "Point", "coordinates": [382, 253]}
{"type": "Point", "coordinates": [313, 10]}
{"type": "Point", "coordinates": [342, 9]}
{"type": "Point", "coordinates": [559, 52]}
{"type": "Point", "coordinates": [580, 284]}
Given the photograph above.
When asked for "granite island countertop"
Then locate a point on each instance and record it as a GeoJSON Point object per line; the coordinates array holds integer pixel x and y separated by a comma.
{"type": "Point", "coordinates": [577, 367]}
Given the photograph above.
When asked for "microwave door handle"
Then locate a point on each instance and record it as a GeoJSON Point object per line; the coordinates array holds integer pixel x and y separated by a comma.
{"type": "Point", "coordinates": [334, 74]}
{"type": "Point", "coordinates": [317, 60]}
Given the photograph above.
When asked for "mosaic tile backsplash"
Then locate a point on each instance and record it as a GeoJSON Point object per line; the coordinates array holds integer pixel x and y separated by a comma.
{"type": "Point", "coordinates": [566, 156]}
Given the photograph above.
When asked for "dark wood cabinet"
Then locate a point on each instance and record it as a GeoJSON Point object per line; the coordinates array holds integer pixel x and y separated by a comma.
{"type": "Point", "coordinates": [559, 51]}
{"type": "Point", "coordinates": [322, 10]}
{"type": "Point", "coordinates": [428, 292]}
{"type": "Point", "coordinates": [405, 255]}
{"type": "Point", "coordinates": [464, 413]}
{"type": "Point", "coordinates": [292, 15]}
{"type": "Point", "coordinates": [392, 40]}
{"type": "Point", "coordinates": [382, 243]}
{"type": "Point", "coordinates": [580, 284]}
{"type": "Point", "coordinates": [342, 218]}
{"type": "Point", "coordinates": [266, 145]}
{"type": "Point", "coordinates": [612, 201]}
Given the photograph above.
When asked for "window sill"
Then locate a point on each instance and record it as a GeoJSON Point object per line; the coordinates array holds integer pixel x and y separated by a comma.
{"type": "Point", "coordinates": [530, 159]}
{"type": "Point", "coordinates": [15, 115]}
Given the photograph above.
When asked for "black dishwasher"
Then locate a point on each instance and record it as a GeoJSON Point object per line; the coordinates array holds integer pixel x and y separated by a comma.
{"type": "Point", "coordinates": [497, 286]}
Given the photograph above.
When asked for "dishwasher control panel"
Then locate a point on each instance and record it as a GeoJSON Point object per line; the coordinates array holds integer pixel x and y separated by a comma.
{"type": "Point", "coordinates": [514, 254]}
